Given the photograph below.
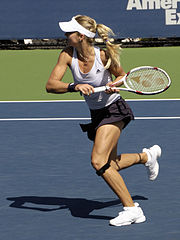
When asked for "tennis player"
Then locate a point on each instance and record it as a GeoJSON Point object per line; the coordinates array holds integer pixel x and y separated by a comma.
{"type": "Point", "coordinates": [110, 114]}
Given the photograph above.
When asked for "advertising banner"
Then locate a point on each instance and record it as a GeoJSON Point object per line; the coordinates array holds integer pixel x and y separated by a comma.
{"type": "Point", "coordinates": [22, 19]}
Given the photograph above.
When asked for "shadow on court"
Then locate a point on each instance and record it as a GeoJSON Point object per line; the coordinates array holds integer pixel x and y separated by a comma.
{"type": "Point", "coordinates": [79, 207]}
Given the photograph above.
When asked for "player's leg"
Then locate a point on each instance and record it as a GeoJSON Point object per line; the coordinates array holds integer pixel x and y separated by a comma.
{"type": "Point", "coordinates": [106, 139]}
{"type": "Point", "coordinates": [126, 160]}
{"type": "Point", "coordinates": [148, 157]}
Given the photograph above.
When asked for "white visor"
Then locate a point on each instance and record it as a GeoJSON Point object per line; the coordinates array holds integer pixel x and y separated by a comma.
{"type": "Point", "coordinates": [74, 26]}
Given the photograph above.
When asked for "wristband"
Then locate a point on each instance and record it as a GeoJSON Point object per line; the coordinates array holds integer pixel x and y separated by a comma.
{"type": "Point", "coordinates": [71, 87]}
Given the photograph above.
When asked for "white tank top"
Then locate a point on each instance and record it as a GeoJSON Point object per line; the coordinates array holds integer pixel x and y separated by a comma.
{"type": "Point", "coordinates": [96, 77]}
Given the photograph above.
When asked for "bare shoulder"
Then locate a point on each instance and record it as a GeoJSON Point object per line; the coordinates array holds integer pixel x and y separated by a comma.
{"type": "Point", "coordinates": [66, 55]}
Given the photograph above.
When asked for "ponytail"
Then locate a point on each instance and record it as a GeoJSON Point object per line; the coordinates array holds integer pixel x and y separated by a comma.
{"type": "Point", "coordinates": [112, 50]}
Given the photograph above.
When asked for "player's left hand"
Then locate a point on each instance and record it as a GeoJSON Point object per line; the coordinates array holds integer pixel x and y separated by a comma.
{"type": "Point", "coordinates": [111, 90]}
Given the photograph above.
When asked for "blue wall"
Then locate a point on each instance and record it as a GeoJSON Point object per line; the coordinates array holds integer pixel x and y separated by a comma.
{"type": "Point", "coordinates": [21, 19]}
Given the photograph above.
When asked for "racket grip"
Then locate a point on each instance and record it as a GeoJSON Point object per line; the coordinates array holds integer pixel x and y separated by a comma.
{"type": "Point", "coordinates": [100, 89]}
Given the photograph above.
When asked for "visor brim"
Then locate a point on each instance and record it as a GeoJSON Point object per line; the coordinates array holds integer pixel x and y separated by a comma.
{"type": "Point", "coordinates": [67, 26]}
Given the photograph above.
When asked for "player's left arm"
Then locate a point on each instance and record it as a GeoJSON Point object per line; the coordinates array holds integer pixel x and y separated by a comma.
{"type": "Point", "coordinates": [117, 71]}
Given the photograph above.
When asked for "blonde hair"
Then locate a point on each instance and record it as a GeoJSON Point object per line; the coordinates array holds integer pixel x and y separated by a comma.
{"type": "Point", "coordinates": [104, 32]}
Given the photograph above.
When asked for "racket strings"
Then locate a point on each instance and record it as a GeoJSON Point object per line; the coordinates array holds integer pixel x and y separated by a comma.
{"type": "Point", "coordinates": [147, 80]}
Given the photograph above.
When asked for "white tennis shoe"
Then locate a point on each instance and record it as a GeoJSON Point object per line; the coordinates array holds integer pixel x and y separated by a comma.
{"type": "Point", "coordinates": [128, 216]}
{"type": "Point", "coordinates": [152, 165]}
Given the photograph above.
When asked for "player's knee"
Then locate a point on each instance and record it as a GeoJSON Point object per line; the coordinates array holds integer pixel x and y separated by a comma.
{"type": "Point", "coordinates": [96, 162]}
{"type": "Point", "coordinates": [99, 165]}
{"type": "Point", "coordinates": [103, 169]}
{"type": "Point", "coordinates": [98, 159]}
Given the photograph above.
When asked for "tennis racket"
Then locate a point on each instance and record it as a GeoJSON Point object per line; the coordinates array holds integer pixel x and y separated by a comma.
{"type": "Point", "coordinates": [143, 80]}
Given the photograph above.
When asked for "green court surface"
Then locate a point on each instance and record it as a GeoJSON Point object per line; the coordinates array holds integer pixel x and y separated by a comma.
{"type": "Point", "coordinates": [24, 73]}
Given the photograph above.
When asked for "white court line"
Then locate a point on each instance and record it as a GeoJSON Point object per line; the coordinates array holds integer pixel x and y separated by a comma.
{"type": "Point", "coordinates": [156, 118]}
{"type": "Point", "coordinates": [80, 119]}
{"type": "Point", "coordinates": [43, 119]}
{"type": "Point", "coordinates": [63, 101]}
{"type": "Point", "coordinates": [43, 101]}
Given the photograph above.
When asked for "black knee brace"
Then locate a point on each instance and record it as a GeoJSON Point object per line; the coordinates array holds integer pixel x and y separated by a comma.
{"type": "Point", "coordinates": [102, 170]}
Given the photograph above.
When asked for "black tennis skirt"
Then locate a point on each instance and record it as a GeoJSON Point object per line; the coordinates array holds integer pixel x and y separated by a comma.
{"type": "Point", "coordinates": [115, 112]}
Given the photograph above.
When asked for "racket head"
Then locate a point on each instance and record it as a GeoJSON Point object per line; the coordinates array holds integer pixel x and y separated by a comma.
{"type": "Point", "coordinates": [147, 80]}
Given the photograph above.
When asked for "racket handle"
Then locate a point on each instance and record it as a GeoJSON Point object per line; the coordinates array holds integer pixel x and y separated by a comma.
{"type": "Point", "coordinates": [100, 89]}
{"type": "Point", "coordinates": [104, 88]}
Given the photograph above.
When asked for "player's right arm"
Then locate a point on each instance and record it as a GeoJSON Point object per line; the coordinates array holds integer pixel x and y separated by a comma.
{"type": "Point", "coordinates": [54, 83]}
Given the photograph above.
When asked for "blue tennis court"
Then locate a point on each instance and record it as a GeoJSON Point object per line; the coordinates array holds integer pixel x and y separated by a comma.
{"type": "Point", "coordinates": [50, 191]}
